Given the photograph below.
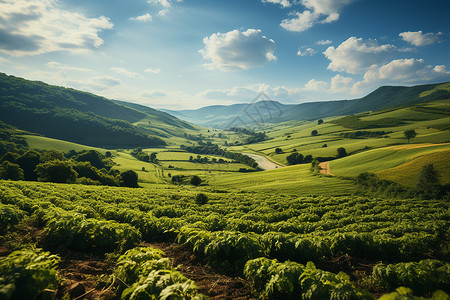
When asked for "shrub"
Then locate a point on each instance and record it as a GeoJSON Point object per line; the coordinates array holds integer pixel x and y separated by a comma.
{"type": "Point", "coordinates": [28, 274]}
{"type": "Point", "coordinates": [10, 171]}
{"type": "Point", "coordinates": [195, 180]}
{"type": "Point", "coordinates": [341, 152]}
{"type": "Point", "coordinates": [314, 132]}
{"type": "Point", "coordinates": [56, 171]}
{"type": "Point", "coordinates": [201, 199]}
{"type": "Point", "coordinates": [129, 179]}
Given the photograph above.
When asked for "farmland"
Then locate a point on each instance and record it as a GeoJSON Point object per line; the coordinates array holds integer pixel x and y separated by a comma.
{"type": "Point", "coordinates": [322, 235]}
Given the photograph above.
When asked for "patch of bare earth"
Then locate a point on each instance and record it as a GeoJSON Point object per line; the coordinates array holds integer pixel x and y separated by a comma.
{"type": "Point", "coordinates": [325, 168]}
{"type": "Point", "coordinates": [80, 273]}
{"type": "Point", "coordinates": [214, 285]}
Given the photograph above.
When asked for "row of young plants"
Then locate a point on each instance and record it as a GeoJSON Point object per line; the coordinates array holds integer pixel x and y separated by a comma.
{"type": "Point", "coordinates": [234, 228]}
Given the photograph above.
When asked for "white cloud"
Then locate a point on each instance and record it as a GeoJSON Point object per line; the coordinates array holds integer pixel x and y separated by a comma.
{"type": "Point", "coordinates": [59, 66]}
{"type": "Point", "coordinates": [164, 3]}
{"type": "Point", "coordinates": [238, 50]}
{"type": "Point", "coordinates": [417, 38]}
{"type": "Point", "coordinates": [317, 11]}
{"type": "Point", "coordinates": [283, 3]}
{"type": "Point", "coordinates": [144, 18]}
{"type": "Point", "coordinates": [163, 12]}
{"type": "Point", "coordinates": [127, 73]}
{"type": "Point", "coordinates": [106, 81]}
{"type": "Point", "coordinates": [304, 51]}
{"type": "Point", "coordinates": [316, 85]}
{"type": "Point", "coordinates": [356, 55]}
{"type": "Point", "coordinates": [153, 71]}
{"type": "Point", "coordinates": [323, 42]}
{"type": "Point", "coordinates": [31, 27]}
{"type": "Point", "coordinates": [341, 84]}
{"type": "Point", "coordinates": [151, 94]}
{"type": "Point", "coordinates": [402, 71]}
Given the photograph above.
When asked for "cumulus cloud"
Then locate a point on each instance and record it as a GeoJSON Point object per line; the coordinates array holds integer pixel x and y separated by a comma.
{"type": "Point", "coordinates": [317, 11]}
{"type": "Point", "coordinates": [403, 71]}
{"type": "Point", "coordinates": [153, 71]}
{"type": "Point", "coordinates": [305, 51]}
{"type": "Point", "coordinates": [31, 27]}
{"type": "Point", "coordinates": [238, 50]}
{"type": "Point", "coordinates": [144, 18]}
{"type": "Point", "coordinates": [323, 42]}
{"type": "Point", "coordinates": [356, 55]}
{"type": "Point", "coordinates": [283, 3]}
{"type": "Point", "coordinates": [417, 38]}
{"type": "Point", "coordinates": [127, 73]}
{"type": "Point", "coordinates": [316, 85]}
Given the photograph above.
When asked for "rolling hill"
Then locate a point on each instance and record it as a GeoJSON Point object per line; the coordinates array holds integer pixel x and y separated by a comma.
{"type": "Point", "coordinates": [80, 117]}
{"type": "Point", "coordinates": [262, 112]}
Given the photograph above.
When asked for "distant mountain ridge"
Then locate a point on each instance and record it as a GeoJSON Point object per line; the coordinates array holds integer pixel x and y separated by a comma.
{"type": "Point", "coordinates": [76, 116]}
{"type": "Point", "coordinates": [220, 116]}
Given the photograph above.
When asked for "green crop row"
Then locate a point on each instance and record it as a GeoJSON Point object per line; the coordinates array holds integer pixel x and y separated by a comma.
{"type": "Point", "coordinates": [145, 273]}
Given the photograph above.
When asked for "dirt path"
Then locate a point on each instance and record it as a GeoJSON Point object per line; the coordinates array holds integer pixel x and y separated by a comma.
{"type": "Point", "coordinates": [263, 162]}
{"type": "Point", "coordinates": [325, 168]}
{"type": "Point", "coordinates": [214, 285]}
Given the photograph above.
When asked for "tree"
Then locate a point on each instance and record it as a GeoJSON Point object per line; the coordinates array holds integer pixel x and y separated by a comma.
{"type": "Point", "coordinates": [295, 158]}
{"type": "Point", "coordinates": [201, 199]}
{"type": "Point", "coordinates": [108, 154]}
{"type": "Point", "coordinates": [153, 157]}
{"type": "Point", "coordinates": [341, 152]}
{"type": "Point", "coordinates": [410, 134]}
{"type": "Point", "coordinates": [195, 180]}
{"type": "Point", "coordinates": [10, 171]}
{"type": "Point", "coordinates": [28, 162]}
{"type": "Point", "coordinates": [428, 182]}
{"type": "Point", "coordinates": [320, 121]}
{"type": "Point", "coordinates": [52, 155]}
{"type": "Point", "coordinates": [94, 157]}
{"type": "Point", "coordinates": [129, 179]}
{"type": "Point", "coordinates": [10, 156]}
{"type": "Point", "coordinates": [314, 132]}
{"type": "Point", "coordinates": [278, 150]}
{"type": "Point", "coordinates": [56, 171]}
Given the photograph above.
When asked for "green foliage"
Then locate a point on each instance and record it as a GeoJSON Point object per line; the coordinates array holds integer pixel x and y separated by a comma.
{"type": "Point", "coordinates": [195, 180]}
{"type": "Point", "coordinates": [11, 171]}
{"type": "Point", "coordinates": [421, 277]}
{"type": "Point", "coordinates": [10, 215]}
{"type": "Point", "coordinates": [75, 231]}
{"type": "Point", "coordinates": [403, 293]}
{"type": "Point", "coordinates": [201, 199]}
{"type": "Point", "coordinates": [56, 171]}
{"type": "Point", "coordinates": [341, 152]}
{"type": "Point", "coordinates": [314, 133]}
{"type": "Point", "coordinates": [28, 274]}
{"type": "Point", "coordinates": [290, 280]}
{"type": "Point", "coordinates": [295, 158]}
{"type": "Point", "coordinates": [28, 162]}
{"type": "Point", "coordinates": [68, 114]}
{"type": "Point", "coordinates": [409, 134]}
{"type": "Point", "coordinates": [129, 179]}
{"type": "Point", "coordinates": [428, 182]}
{"type": "Point", "coordinates": [144, 273]}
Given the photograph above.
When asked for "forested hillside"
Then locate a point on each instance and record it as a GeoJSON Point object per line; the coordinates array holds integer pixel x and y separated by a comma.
{"type": "Point", "coordinates": [70, 115]}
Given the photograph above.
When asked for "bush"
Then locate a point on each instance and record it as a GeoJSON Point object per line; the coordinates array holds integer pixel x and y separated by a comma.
{"type": "Point", "coordinates": [201, 199]}
{"type": "Point", "coordinates": [56, 171]}
{"type": "Point", "coordinates": [28, 274]}
{"type": "Point", "coordinates": [10, 171]}
{"type": "Point", "coordinates": [314, 132]}
{"type": "Point", "coordinates": [129, 179]}
{"type": "Point", "coordinates": [278, 150]}
{"type": "Point", "coordinates": [195, 180]}
{"type": "Point", "coordinates": [341, 152]}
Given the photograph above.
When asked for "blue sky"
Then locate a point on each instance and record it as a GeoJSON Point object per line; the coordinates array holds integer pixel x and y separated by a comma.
{"type": "Point", "coordinates": [192, 53]}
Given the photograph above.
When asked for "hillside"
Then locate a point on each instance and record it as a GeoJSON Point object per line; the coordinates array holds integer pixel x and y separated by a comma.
{"type": "Point", "coordinates": [77, 116]}
{"type": "Point", "coordinates": [220, 116]}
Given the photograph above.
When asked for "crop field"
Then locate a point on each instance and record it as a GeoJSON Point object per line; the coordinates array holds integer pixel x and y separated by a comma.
{"type": "Point", "coordinates": [271, 239]}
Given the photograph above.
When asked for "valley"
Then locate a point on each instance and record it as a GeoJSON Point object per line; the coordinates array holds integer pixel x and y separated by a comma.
{"type": "Point", "coordinates": [346, 206]}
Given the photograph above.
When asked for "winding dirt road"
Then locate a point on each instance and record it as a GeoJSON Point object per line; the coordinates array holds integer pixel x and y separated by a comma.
{"type": "Point", "coordinates": [263, 162]}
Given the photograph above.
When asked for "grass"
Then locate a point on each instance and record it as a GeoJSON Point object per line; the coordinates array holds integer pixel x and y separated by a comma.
{"type": "Point", "coordinates": [383, 159]}
{"type": "Point", "coordinates": [296, 180]}
{"type": "Point", "coordinates": [44, 143]}
{"type": "Point", "coordinates": [403, 174]}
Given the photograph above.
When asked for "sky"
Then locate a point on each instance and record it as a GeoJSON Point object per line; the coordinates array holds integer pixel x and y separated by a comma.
{"type": "Point", "coordinates": [186, 54]}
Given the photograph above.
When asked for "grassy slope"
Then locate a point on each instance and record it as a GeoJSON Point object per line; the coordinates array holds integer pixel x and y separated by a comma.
{"type": "Point", "coordinates": [44, 143]}
{"type": "Point", "coordinates": [368, 154]}
{"type": "Point", "coordinates": [296, 180]}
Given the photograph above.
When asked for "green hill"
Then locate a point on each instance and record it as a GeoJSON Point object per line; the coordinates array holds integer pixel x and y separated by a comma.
{"type": "Point", "coordinates": [77, 116]}
{"type": "Point", "coordinates": [264, 112]}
